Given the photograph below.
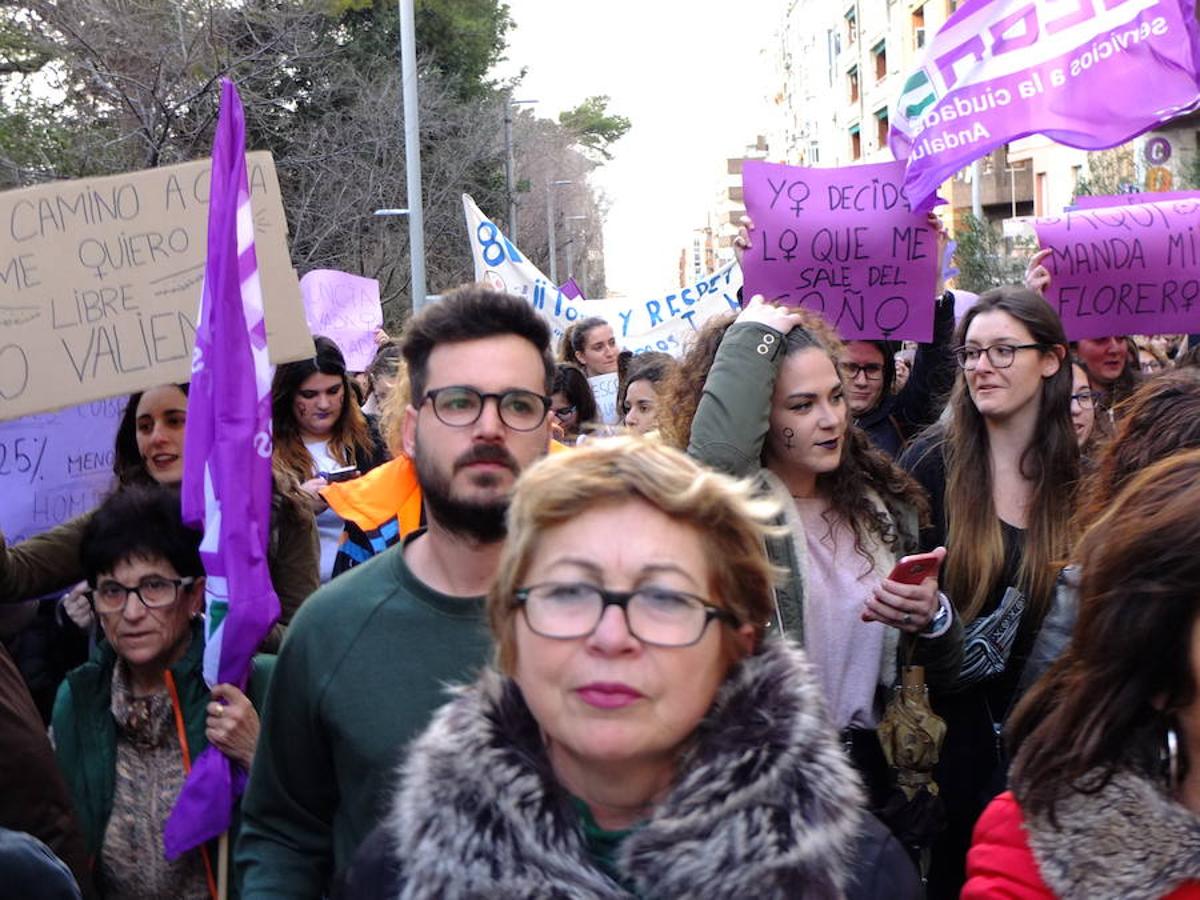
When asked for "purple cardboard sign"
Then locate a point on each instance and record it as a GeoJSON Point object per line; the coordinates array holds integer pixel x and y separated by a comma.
{"type": "Point", "coordinates": [845, 243]}
{"type": "Point", "coordinates": [1125, 269]}
{"type": "Point", "coordinates": [1101, 201]}
{"type": "Point", "coordinates": [344, 308]}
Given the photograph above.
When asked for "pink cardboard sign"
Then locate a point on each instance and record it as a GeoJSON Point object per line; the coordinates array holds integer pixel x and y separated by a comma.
{"type": "Point", "coordinates": [1099, 201]}
{"type": "Point", "coordinates": [344, 308]}
{"type": "Point", "coordinates": [845, 243]}
{"type": "Point", "coordinates": [1125, 269]}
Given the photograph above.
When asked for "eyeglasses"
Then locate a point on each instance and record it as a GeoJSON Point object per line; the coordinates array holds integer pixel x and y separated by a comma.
{"type": "Point", "coordinates": [154, 591]}
{"type": "Point", "coordinates": [1152, 365]}
{"type": "Point", "coordinates": [658, 616]}
{"type": "Point", "coordinates": [872, 371]}
{"type": "Point", "coordinates": [1000, 356]}
{"type": "Point", "coordinates": [460, 406]}
{"type": "Point", "coordinates": [565, 412]}
{"type": "Point", "coordinates": [1085, 399]}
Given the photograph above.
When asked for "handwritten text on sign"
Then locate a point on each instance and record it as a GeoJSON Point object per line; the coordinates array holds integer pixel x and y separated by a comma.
{"type": "Point", "coordinates": [344, 308]}
{"type": "Point", "coordinates": [842, 242]}
{"type": "Point", "coordinates": [56, 466]}
{"type": "Point", "coordinates": [1125, 270]}
{"type": "Point", "coordinates": [100, 282]}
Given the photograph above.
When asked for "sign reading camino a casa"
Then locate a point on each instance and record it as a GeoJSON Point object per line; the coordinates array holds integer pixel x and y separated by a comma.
{"type": "Point", "coordinates": [100, 283]}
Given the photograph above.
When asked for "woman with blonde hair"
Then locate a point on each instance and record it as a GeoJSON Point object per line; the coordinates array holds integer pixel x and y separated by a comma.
{"type": "Point", "coordinates": [641, 735]}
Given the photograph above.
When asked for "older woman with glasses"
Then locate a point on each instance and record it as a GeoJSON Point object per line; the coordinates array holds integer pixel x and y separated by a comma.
{"type": "Point", "coordinates": [128, 723]}
{"type": "Point", "coordinates": [639, 737]}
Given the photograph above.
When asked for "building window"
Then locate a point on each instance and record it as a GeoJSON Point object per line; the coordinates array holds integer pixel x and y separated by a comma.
{"type": "Point", "coordinates": [851, 27]}
{"type": "Point", "coordinates": [879, 54]}
{"type": "Point", "coordinates": [855, 143]}
{"type": "Point", "coordinates": [881, 128]}
{"type": "Point", "coordinates": [918, 27]}
{"type": "Point", "coordinates": [814, 153]}
{"type": "Point", "coordinates": [852, 78]}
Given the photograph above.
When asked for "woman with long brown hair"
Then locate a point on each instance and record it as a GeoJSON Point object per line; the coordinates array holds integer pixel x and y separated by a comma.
{"type": "Point", "coordinates": [1000, 474]}
{"type": "Point", "coordinates": [320, 432]}
{"type": "Point", "coordinates": [761, 395]}
{"type": "Point", "coordinates": [1105, 795]}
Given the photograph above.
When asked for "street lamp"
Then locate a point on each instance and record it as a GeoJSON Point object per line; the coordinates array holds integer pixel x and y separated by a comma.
{"type": "Point", "coordinates": [509, 103]}
{"type": "Point", "coordinates": [550, 229]}
{"type": "Point", "coordinates": [412, 153]}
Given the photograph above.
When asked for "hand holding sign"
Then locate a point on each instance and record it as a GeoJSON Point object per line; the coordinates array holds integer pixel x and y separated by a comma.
{"type": "Point", "coordinates": [845, 243]}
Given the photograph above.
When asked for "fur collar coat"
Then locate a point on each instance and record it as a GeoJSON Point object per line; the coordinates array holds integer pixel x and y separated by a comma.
{"type": "Point", "coordinates": [1128, 841]}
{"type": "Point", "coordinates": [765, 803]}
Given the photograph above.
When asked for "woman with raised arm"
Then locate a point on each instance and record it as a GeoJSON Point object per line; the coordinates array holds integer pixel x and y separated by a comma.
{"type": "Point", "coordinates": [760, 395]}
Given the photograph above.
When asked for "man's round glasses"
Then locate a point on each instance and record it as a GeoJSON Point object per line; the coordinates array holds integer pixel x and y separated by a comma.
{"type": "Point", "coordinates": [657, 616]}
{"type": "Point", "coordinates": [459, 406]}
{"type": "Point", "coordinates": [1085, 399]}
{"type": "Point", "coordinates": [1000, 356]}
{"type": "Point", "coordinates": [872, 371]}
{"type": "Point", "coordinates": [155, 592]}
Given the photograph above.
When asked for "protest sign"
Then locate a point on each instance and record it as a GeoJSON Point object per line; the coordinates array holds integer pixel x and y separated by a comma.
{"type": "Point", "coordinates": [100, 283]}
{"type": "Point", "coordinates": [1125, 269]}
{"type": "Point", "coordinates": [1101, 201]}
{"type": "Point", "coordinates": [604, 389]}
{"type": "Point", "coordinates": [663, 322]}
{"type": "Point", "coordinates": [1085, 74]}
{"type": "Point", "coordinates": [844, 243]}
{"type": "Point", "coordinates": [56, 466]}
{"type": "Point", "coordinates": [344, 308]}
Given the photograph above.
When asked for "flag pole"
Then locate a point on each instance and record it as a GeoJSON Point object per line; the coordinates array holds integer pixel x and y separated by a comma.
{"type": "Point", "coordinates": [223, 866]}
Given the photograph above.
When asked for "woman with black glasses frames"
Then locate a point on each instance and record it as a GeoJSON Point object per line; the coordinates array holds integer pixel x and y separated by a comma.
{"type": "Point", "coordinates": [128, 723]}
{"type": "Point", "coordinates": [1001, 475]}
{"type": "Point", "coordinates": [640, 734]}
{"type": "Point", "coordinates": [572, 403]}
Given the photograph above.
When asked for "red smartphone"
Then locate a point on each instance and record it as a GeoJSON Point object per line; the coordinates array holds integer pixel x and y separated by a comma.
{"type": "Point", "coordinates": [915, 569]}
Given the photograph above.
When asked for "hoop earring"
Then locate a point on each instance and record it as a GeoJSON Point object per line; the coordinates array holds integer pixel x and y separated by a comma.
{"type": "Point", "coordinates": [1170, 756]}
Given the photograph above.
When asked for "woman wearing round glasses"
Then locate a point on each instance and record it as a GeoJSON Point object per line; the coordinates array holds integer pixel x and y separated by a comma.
{"type": "Point", "coordinates": [1000, 474]}
{"type": "Point", "coordinates": [639, 736]}
{"type": "Point", "coordinates": [128, 724]}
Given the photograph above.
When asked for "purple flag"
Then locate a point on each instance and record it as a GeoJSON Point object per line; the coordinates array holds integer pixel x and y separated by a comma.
{"type": "Point", "coordinates": [227, 468]}
{"type": "Point", "coordinates": [1088, 74]}
{"type": "Point", "coordinates": [571, 288]}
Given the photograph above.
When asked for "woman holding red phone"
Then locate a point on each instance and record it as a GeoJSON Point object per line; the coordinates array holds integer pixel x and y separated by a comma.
{"type": "Point", "coordinates": [761, 395]}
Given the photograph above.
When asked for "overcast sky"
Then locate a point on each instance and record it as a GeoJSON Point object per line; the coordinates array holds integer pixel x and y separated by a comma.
{"type": "Point", "coordinates": [688, 73]}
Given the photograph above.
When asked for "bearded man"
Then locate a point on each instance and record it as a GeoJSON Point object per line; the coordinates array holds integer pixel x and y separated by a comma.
{"type": "Point", "coordinates": [367, 657]}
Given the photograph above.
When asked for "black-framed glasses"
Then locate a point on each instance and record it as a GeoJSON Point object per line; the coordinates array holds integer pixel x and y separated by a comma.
{"type": "Point", "coordinates": [565, 412]}
{"type": "Point", "coordinates": [658, 616]}
{"type": "Point", "coordinates": [1001, 356]}
{"type": "Point", "coordinates": [459, 406]}
{"type": "Point", "coordinates": [872, 371]}
{"type": "Point", "coordinates": [155, 592]}
{"type": "Point", "coordinates": [1086, 399]}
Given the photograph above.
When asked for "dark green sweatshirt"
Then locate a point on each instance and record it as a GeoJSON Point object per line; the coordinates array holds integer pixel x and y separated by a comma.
{"type": "Point", "coordinates": [363, 667]}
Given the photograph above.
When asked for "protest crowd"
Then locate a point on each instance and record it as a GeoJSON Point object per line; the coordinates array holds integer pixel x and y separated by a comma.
{"type": "Point", "coordinates": [510, 604]}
